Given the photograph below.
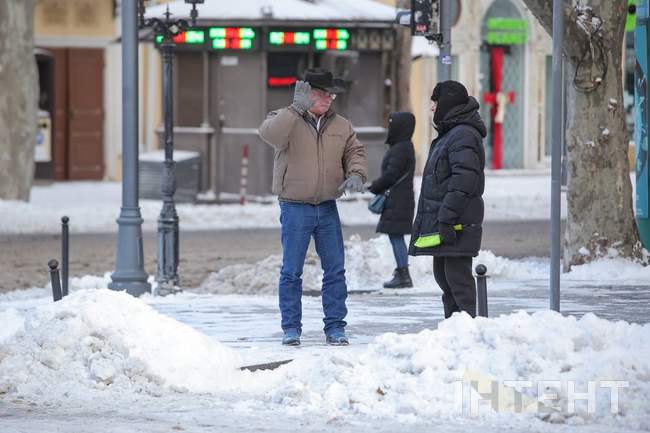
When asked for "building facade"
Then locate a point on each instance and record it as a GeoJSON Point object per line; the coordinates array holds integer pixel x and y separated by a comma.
{"type": "Point", "coordinates": [503, 56]}
{"type": "Point", "coordinates": [71, 38]}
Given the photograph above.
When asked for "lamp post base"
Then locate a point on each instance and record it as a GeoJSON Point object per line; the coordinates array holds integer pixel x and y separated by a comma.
{"type": "Point", "coordinates": [129, 272]}
{"type": "Point", "coordinates": [168, 249]}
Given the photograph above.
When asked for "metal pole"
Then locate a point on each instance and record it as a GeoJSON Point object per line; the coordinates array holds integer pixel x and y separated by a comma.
{"type": "Point", "coordinates": [129, 272]}
{"type": "Point", "coordinates": [65, 255]}
{"type": "Point", "coordinates": [556, 154]}
{"type": "Point", "coordinates": [444, 67]}
{"type": "Point", "coordinates": [168, 236]}
{"type": "Point", "coordinates": [54, 278]}
{"type": "Point", "coordinates": [481, 290]}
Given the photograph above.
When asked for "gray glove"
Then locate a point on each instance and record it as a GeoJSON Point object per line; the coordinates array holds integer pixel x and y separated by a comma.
{"type": "Point", "coordinates": [353, 183]}
{"type": "Point", "coordinates": [301, 97]}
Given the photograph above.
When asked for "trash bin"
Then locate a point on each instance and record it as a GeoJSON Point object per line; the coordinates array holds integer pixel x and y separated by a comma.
{"type": "Point", "coordinates": [188, 175]}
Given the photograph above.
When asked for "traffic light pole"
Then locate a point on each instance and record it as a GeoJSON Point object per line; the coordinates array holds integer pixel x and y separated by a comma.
{"type": "Point", "coordinates": [445, 59]}
{"type": "Point", "coordinates": [556, 154]}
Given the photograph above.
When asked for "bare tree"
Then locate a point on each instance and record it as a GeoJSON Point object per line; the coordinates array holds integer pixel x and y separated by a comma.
{"type": "Point", "coordinates": [18, 98]}
{"type": "Point", "coordinates": [600, 213]}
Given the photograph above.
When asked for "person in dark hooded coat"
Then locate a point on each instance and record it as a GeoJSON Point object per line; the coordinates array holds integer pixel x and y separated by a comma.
{"type": "Point", "coordinates": [453, 182]}
{"type": "Point", "coordinates": [397, 170]}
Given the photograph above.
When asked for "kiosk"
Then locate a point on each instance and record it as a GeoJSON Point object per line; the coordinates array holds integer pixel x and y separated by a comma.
{"type": "Point", "coordinates": [237, 65]}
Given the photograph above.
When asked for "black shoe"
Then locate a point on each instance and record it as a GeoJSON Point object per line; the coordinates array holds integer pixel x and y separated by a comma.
{"type": "Point", "coordinates": [401, 280]}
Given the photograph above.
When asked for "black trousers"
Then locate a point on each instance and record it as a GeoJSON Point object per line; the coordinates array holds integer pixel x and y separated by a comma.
{"type": "Point", "coordinates": [454, 276]}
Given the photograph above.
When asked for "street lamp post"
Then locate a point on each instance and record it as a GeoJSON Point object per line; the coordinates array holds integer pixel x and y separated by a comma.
{"type": "Point", "coordinates": [129, 272]}
{"type": "Point", "coordinates": [168, 233]}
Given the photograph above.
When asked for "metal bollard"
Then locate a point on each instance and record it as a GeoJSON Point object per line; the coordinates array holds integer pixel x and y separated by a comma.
{"type": "Point", "coordinates": [56, 282]}
{"type": "Point", "coordinates": [65, 255]}
{"type": "Point", "coordinates": [481, 290]}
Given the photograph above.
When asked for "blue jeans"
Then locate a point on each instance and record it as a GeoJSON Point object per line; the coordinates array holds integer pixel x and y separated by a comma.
{"type": "Point", "coordinates": [399, 250]}
{"type": "Point", "coordinates": [299, 223]}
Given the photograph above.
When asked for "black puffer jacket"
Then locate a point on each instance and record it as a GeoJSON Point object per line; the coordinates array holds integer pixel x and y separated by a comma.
{"type": "Point", "coordinates": [397, 218]}
{"type": "Point", "coordinates": [453, 182]}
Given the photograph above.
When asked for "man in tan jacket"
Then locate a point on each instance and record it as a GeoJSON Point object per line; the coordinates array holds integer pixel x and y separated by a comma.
{"type": "Point", "coordinates": [317, 158]}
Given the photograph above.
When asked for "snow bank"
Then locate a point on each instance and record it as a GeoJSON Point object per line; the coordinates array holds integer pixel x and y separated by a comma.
{"type": "Point", "coordinates": [109, 343]}
{"type": "Point", "coordinates": [12, 323]}
{"type": "Point", "coordinates": [104, 340]}
{"type": "Point", "coordinates": [420, 377]}
{"type": "Point", "coordinates": [368, 265]}
{"type": "Point", "coordinates": [614, 270]}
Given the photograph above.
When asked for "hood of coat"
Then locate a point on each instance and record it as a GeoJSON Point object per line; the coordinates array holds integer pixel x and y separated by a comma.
{"type": "Point", "coordinates": [400, 127]}
{"type": "Point", "coordinates": [465, 114]}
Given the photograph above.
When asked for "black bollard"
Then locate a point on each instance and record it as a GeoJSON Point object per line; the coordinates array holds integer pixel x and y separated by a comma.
{"type": "Point", "coordinates": [65, 255]}
{"type": "Point", "coordinates": [54, 277]}
{"type": "Point", "coordinates": [481, 290]}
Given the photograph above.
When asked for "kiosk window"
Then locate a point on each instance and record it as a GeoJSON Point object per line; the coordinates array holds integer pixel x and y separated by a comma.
{"type": "Point", "coordinates": [285, 68]}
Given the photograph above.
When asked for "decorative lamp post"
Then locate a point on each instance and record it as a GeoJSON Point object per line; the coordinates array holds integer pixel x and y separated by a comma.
{"type": "Point", "coordinates": [168, 234]}
{"type": "Point", "coordinates": [129, 272]}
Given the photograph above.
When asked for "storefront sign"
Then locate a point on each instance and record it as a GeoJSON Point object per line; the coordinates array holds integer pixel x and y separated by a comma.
{"type": "Point", "coordinates": [331, 39]}
{"type": "Point", "coordinates": [507, 31]}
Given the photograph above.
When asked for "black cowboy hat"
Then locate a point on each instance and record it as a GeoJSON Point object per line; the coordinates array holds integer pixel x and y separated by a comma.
{"type": "Point", "coordinates": [324, 80]}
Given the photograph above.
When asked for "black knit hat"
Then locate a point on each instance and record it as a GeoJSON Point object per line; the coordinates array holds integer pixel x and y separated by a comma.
{"type": "Point", "coordinates": [448, 95]}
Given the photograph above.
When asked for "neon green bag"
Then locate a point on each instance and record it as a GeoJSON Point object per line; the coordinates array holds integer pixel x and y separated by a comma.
{"type": "Point", "coordinates": [433, 240]}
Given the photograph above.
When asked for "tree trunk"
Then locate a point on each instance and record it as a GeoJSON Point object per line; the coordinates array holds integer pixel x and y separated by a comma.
{"type": "Point", "coordinates": [600, 217]}
{"type": "Point", "coordinates": [403, 66]}
{"type": "Point", "coordinates": [18, 98]}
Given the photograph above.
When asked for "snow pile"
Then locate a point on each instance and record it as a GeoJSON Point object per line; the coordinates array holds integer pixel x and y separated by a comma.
{"type": "Point", "coordinates": [612, 270]}
{"type": "Point", "coordinates": [425, 376]}
{"type": "Point", "coordinates": [104, 340]}
{"type": "Point", "coordinates": [368, 265]}
{"type": "Point", "coordinates": [12, 323]}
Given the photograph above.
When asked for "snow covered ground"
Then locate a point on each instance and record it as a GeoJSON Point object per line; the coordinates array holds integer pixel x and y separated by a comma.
{"type": "Point", "coordinates": [103, 361]}
{"type": "Point", "coordinates": [99, 360]}
{"type": "Point", "coordinates": [94, 206]}
{"type": "Point", "coordinates": [171, 364]}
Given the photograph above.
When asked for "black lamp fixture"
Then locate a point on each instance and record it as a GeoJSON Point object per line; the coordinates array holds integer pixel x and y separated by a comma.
{"type": "Point", "coordinates": [194, 14]}
{"type": "Point", "coordinates": [168, 232]}
{"type": "Point", "coordinates": [168, 27]}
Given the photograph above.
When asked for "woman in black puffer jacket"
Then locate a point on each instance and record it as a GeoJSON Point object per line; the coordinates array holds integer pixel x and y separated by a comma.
{"type": "Point", "coordinates": [452, 188]}
{"type": "Point", "coordinates": [397, 170]}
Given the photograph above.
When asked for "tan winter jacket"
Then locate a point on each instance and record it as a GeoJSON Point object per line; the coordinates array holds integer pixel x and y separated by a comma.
{"type": "Point", "coordinates": [309, 165]}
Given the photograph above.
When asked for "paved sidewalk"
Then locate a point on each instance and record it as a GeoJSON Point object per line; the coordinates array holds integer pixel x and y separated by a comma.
{"type": "Point", "coordinates": [251, 323]}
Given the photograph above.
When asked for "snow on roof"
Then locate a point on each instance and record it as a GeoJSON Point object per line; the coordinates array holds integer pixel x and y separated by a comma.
{"type": "Point", "coordinates": [282, 10]}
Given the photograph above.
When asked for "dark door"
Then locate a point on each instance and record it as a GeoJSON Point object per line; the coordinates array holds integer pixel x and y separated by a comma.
{"type": "Point", "coordinates": [239, 112]}
{"type": "Point", "coordinates": [85, 114]}
{"type": "Point", "coordinates": [60, 116]}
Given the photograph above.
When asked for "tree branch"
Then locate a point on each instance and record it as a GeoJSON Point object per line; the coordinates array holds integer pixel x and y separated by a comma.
{"type": "Point", "coordinates": [575, 39]}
